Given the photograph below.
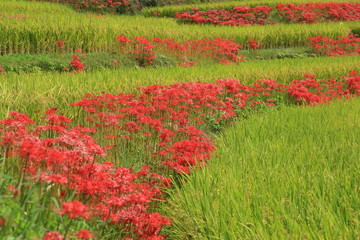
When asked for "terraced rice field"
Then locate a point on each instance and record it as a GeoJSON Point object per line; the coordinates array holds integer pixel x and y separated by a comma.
{"type": "Point", "coordinates": [179, 119]}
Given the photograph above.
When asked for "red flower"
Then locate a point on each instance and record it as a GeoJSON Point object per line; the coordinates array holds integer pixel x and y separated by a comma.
{"type": "Point", "coordinates": [53, 236]}
{"type": "Point", "coordinates": [84, 234]}
{"type": "Point", "coordinates": [59, 44]}
{"type": "Point", "coordinates": [14, 190]}
{"type": "Point", "coordinates": [2, 222]}
{"type": "Point", "coordinates": [75, 209]}
{"type": "Point", "coordinates": [254, 44]}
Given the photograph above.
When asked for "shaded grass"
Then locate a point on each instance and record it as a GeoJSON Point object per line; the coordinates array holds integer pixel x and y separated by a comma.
{"type": "Point", "coordinates": [288, 174]}
{"type": "Point", "coordinates": [28, 63]}
{"type": "Point", "coordinates": [30, 92]}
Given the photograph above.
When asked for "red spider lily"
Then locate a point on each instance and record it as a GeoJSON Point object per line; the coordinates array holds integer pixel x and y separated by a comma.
{"type": "Point", "coordinates": [14, 190]}
{"type": "Point", "coordinates": [260, 15]}
{"type": "Point", "coordinates": [2, 222]}
{"type": "Point", "coordinates": [319, 12]}
{"type": "Point", "coordinates": [254, 44]}
{"type": "Point", "coordinates": [218, 49]}
{"type": "Point", "coordinates": [76, 64]}
{"type": "Point", "coordinates": [53, 236]}
{"type": "Point", "coordinates": [168, 122]}
{"type": "Point", "coordinates": [2, 71]}
{"type": "Point", "coordinates": [84, 234]}
{"type": "Point", "coordinates": [343, 46]}
{"type": "Point", "coordinates": [75, 209]}
{"type": "Point", "coordinates": [60, 44]}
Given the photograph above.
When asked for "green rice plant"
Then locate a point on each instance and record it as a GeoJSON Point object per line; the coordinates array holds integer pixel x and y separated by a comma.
{"type": "Point", "coordinates": [169, 11]}
{"type": "Point", "coordinates": [286, 174]}
{"type": "Point", "coordinates": [38, 31]}
{"type": "Point", "coordinates": [41, 91]}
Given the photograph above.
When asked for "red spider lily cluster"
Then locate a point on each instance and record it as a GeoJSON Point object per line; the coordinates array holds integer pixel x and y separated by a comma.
{"type": "Point", "coordinates": [84, 234]}
{"type": "Point", "coordinates": [217, 49]}
{"type": "Point", "coordinates": [290, 13]}
{"type": "Point", "coordinates": [239, 16]}
{"type": "Point", "coordinates": [60, 44]}
{"type": "Point", "coordinates": [69, 157]}
{"type": "Point", "coordinates": [56, 235]}
{"type": "Point", "coordinates": [319, 12]}
{"type": "Point", "coordinates": [139, 47]}
{"type": "Point", "coordinates": [314, 92]}
{"type": "Point", "coordinates": [349, 45]}
{"type": "Point", "coordinates": [76, 64]}
{"type": "Point", "coordinates": [254, 44]}
{"type": "Point", "coordinates": [60, 47]}
{"type": "Point", "coordinates": [73, 209]}
{"type": "Point", "coordinates": [168, 122]}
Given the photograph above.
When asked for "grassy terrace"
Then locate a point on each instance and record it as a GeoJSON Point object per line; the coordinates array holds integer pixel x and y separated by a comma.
{"type": "Point", "coordinates": [288, 174]}
{"type": "Point", "coordinates": [46, 23]}
{"type": "Point", "coordinates": [169, 11]}
{"type": "Point", "coordinates": [58, 90]}
{"type": "Point", "coordinates": [278, 169]}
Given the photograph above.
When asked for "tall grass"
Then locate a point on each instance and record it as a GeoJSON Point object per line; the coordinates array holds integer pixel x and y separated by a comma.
{"type": "Point", "coordinates": [30, 92]}
{"type": "Point", "coordinates": [169, 11]}
{"type": "Point", "coordinates": [288, 174]}
{"type": "Point", "coordinates": [46, 23]}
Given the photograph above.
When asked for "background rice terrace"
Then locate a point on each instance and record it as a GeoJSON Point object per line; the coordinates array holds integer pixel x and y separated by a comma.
{"type": "Point", "coordinates": [289, 171]}
{"type": "Point", "coordinates": [43, 25]}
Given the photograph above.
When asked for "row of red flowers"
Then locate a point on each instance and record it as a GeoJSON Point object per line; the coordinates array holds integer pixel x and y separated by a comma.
{"type": "Point", "coordinates": [218, 49]}
{"type": "Point", "coordinates": [188, 53]}
{"type": "Point", "coordinates": [288, 13]}
{"type": "Point", "coordinates": [349, 45]}
{"type": "Point", "coordinates": [168, 122]}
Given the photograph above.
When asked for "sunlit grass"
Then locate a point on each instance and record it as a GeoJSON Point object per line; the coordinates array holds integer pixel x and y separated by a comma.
{"type": "Point", "coordinates": [170, 10]}
{"type": "Point", "coordinates": [46, 23]}
{"type": "Point", "coordinates": [30, 92]}
{"type": "Point", "coordinates": [288, 174]}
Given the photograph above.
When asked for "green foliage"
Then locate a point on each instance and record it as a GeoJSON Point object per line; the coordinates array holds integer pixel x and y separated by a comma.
{"type": "Point", "coordinates": [46, 23]}
{"type": "Point", "coordinates": [288, 174]}
{"type": "Point", "coordinates": [28, 208]}
{"type": "Point", "coordinates": [283, 174]}
{"type": "Point", "coordinates": [27, 63]}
